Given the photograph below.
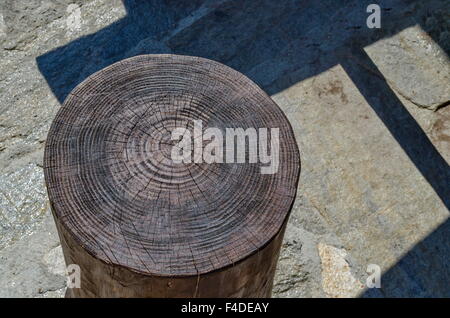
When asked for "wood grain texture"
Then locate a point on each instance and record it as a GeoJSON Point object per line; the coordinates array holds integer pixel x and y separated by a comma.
{"type": "Point", "coordinates": [250, 277]}
{"type": "Point", "coordinates": [117, 196]}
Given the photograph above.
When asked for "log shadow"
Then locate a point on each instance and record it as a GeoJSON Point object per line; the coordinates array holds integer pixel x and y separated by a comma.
{"type": "Point", "coordinates": [141, 28]}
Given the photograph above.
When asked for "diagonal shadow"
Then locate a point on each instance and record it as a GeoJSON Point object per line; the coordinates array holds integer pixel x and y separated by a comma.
{"type": "Point", "coordinates": [278, 45]}
{"type": "Point", "coordinates": [403, 127]}
{"type": "Point", "coordinates": [423, 272]}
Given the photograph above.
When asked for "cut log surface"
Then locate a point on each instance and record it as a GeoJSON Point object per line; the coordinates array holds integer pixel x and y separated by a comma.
{"type": "Point", "coordinates": [117, 195]}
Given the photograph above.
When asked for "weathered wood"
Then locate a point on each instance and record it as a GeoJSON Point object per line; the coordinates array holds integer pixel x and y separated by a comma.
{"type": "Point", "coordinates": [140, 225]}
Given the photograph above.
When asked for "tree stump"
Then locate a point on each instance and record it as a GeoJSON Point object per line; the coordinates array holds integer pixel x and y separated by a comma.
{"type": "Point", "coordinates": [140, 225]}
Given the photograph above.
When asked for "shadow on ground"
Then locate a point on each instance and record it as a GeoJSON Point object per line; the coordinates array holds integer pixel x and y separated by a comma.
{"type": "Point", "coordinates": [277, 46]}
{"type": "Point", "coordinates": [426, 268]}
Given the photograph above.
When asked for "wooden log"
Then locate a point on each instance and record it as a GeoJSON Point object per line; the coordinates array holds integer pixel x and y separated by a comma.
{"type": "Point", "coordinates": [140, 224]}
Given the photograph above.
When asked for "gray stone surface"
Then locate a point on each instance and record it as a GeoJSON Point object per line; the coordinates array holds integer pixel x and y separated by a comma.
{"type": "Point", "coordinates": [33, 266]}
{"type": "Point", "coordinates": [410, 59]}
{"type": "Point", "coordinates": [373, 132]}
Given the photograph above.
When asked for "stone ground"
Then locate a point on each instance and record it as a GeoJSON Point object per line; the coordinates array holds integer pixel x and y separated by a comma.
{"type": "Point", "coordinates": [367, 107]}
